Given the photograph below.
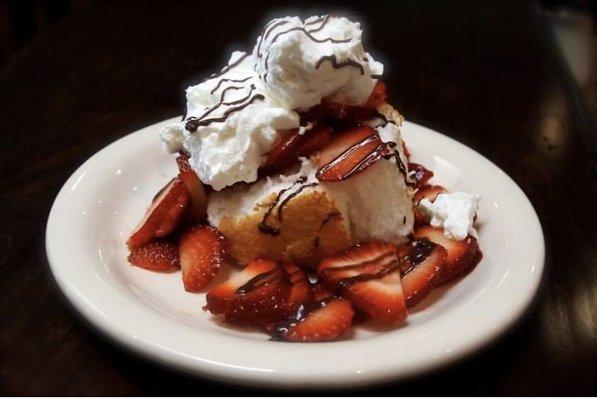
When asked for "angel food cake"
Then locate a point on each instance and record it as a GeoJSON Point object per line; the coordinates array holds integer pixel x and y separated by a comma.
{"type": "Point", "coordinates": [293, 172]}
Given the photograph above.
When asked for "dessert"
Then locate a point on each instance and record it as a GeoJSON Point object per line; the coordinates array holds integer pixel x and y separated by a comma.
{"type": "Point", "coordinates": [293, 174]}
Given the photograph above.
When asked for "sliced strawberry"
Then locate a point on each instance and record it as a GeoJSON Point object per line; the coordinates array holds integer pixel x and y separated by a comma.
{"type": "Point", "coordinates": [428, 192]}
{"type": "Point", "coordinates": [300, 291]}
{"type": "Point", "coordinates": [462, 257]}
{"type": "Point", "coordinates": [315, 139]}
{"type": "Point", "coordinates": [198, 211]}
{"type": "Point", "coordinates": [201, 256]}
{"type": "Point", "coordinates": [422, 266]}
{"type": "Point", "coordinates": [419, 173]}
{"type": "Point", "coordinates": [256, 295]}
{"type": "Point", "coordinates": [157, 255]}
{"type": "Point", "coordinates": [337, 112]}
{"type": "Point", "coordinates": [349, 153]}
{"type": "Point", "coordinates": [319, 321]}
{"type": "Point", "coordinates": [364, 258]}
{"type": "Point", "coordinates": [368, 275]}
{"type": "Point", "coordinates": [291, 146]}
{"type": "Point", "coordinates": [166, 211]}
{"type": "Point", "coordinates": [378, 96]}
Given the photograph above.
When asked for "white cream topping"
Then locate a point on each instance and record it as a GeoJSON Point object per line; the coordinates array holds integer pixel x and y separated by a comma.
{"type": "Point", "coordinates": [301, 62]}
{"type": "Point", "coordinates": [233, 116]}
{"type": "Point", "coordinates": [454, 212]}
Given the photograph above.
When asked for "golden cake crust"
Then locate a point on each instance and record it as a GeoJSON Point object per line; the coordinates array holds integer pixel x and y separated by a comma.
{"type": "Point", "coordinates": [311, 227]}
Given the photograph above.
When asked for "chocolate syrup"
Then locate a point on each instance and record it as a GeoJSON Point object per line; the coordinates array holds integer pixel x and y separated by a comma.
{"type": "Point", "coordinates": [228, 80]}
{"type": "Point", "coordinates": [308, 33]}
{"type": "Point", "coordinates": [386, 269]}
{"type": "Point", "coordinates": [263, 227]}
{"type": "Point", "coordinates": [325, 20]}
{"type": "Point", "coordinates": [302, 312]}
{"type": "Point", "coordinates": [364, 263]}
{"type": "Point", "coordinates": [261, 280]}
{"type": "Point", "coordinates": [399, 162]}
{"type": "Point", "coordinates": [370, 157]}
{"type": "Point", "coordinates": [194, 123]}
{"type": "Point", "coordinates": [336, 65]}
{"type": "Point", "coordinates": [374, 76]}
{"type": "Point", "coordinates": [228, 67]}
{"type": "Point", "coordinates": [420, 251]}
{"type": "Point", "coordinates": [266, 31]}
{"type": "Point", "coordinates": [291, 196]}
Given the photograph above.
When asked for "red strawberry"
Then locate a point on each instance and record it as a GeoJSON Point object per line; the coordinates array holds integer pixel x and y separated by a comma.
{"type": "Point", "coordinates": [319, 321]}
{"type": "Point", "coordinates": [378, 96]}
{"type": "Point", "coordinates": [198, 211]}
{"type": "Point", "coordinates": [256, 295]}
{"type": "Point", "coordinates": [314, 139]}
{"type": "Point", "coordinates": [300, 291]}
{"type": "Point", "coordinates": [338, 112]}
{"type": "Point", "coordinates": [368, 275]}
{"type": "Point", "coordinates": [462, 257]}
{"type": "Point", "coordinates": [291, 146]}
{"type": "Point", "coordinates": [201, 256]}
{"type": "Point", "coordinates": [422, 265]}
{"type": "Point", "coordinates": [419, 173]}
{"type": "Point", "coordinates": [349, 153]}
{"type": "Point", "coordinates": [157, 255]}
{"type": "Point", "coordinates": [428, 192]}
{"type": "Point", "coordinates": [163, 216]}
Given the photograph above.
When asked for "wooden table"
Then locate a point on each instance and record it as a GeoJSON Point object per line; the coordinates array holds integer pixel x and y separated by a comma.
{"type": "Point", "coordinates": [487, 75]}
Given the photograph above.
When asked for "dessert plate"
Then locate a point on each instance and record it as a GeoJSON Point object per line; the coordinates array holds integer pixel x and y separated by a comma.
{"type": "Point", "coordinates": [151, 313]}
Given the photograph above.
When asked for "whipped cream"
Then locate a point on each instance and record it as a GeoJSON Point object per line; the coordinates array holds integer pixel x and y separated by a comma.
{"type": "Point", "coordinates": [233, 116]}
{"type": "Point", "coordinates": [454, 212]}
{"type": "Point", "coordinates": [301, 62]}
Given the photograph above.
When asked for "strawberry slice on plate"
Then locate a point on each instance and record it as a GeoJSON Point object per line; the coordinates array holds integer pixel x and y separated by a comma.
{"type": "Point", "coordinates": [300, 291]}
{"type": "Point", "coordinates": [255, 295]}
{"type": "Point", "coordinates": [202, 250]}
{"type": "Point", "coordinates": [368, 275]}
{"type": "Point", "coordinates": [157, 255]}
{"type": "Point", "coordinates": [319, 321]}
{"type": "Point", "coordinates": [198, 211]}
{"type": "Point", "coordinates": [164, 214]}
{"type": "Point", "coordinates": [462, 255]}
{"type": "Point", "coordinates": [422, 266]}
{"type": "Point", "coordinates": [349, 153]}
{"type": "Point", "coordinates": [428, 192]}
{"type": "Point", "coordinates": [419, 173]}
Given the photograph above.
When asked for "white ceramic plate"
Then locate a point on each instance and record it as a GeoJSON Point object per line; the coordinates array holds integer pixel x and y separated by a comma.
{"type": "Point", "coordinates": [151, 313]}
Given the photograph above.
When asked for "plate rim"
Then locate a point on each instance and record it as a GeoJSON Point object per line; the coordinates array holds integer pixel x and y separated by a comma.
{"type": "Point", "coordinates": [206, 369]}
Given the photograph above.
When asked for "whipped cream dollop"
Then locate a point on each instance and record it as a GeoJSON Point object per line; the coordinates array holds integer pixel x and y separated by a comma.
{"type": "Point", "coordinates": [454, 212]}
{"type": "Point", "coordinates": [234, 115]}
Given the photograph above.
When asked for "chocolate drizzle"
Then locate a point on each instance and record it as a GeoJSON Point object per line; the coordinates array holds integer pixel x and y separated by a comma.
{"type": "Point", "coordinates": [325, 20]}
{"type": "Point", "coordinates": [291, 196]}
{"type": "Point", "coordinates": [336, 65]}
{"type": "Point", "coordinates": [193, 123]}
{"type": "Point", "coordinates": [399, 162]}
{"type": "Point", "coordinates": [386, 269]}
{"type": "Point", "coordinates": [228, 80]}
{"type": "Point", "coordinates": [260, 280]}
{"type": "Point", "coordinates": [263, 226]}
{"type": "Point", "coordinates": [267, 30]}
{"type": "Point", "coordinates": [421, 250]}
{"type": "Point", "coordinates": [369, 158]}
{"type": "Point", "coordinates": [374, 76]}
{"type": "Point", "coordinates": [308, 33]}
{"type": "Point", "coordinates": [302, 312]}
{"type": "Point", "coordinates": [228, 67]}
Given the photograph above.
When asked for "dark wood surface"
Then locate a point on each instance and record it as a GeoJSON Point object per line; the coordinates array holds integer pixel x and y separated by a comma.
{"type": "Point", "coordinates": [485, 74]}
